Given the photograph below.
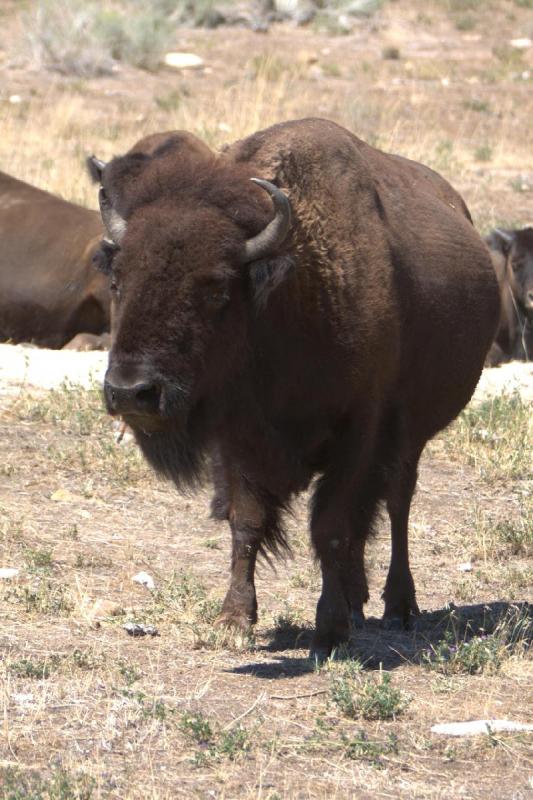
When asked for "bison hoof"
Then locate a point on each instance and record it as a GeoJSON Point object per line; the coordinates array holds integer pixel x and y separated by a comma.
{"type": "Point", "coordinates": [236, 620]}
{"type": "Point", "coordinates": [319, 654]}
{"type": "Point", "coordinates": [357, 620]}
{"type": "Point", "coordinates": [394, 622]}
{"type": "Point", "coordinates": [399, 620]}
{"type": "Point", "coordinates": [325, 643]}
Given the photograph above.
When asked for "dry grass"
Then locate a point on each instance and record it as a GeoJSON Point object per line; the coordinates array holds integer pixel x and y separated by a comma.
{"type": "Point", "coordinates": [442, 106]}
{"type": "Point", "coordinates": [89, 712]}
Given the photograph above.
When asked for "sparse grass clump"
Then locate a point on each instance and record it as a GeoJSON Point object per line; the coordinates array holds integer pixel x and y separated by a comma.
{"type": "Point", "coordinates": [18, 784]}
{"type": "Point", "coordinates": [483, 153]}
{"type": "Point", "coordinates": [496, 437]}
{"type": "Point", "coordinates": [28, 668]}
{"type": "Point", "coordinates": [44, 596]}
{"type": "Point", "coordinates": [213, 742]}
{"type": "Point", "coordinates": [38, 560]}
{"type": "Point", "coordinates": [89, 444]}
{"type": "Point", "coordinates": [197, 728]}
{"type": "Point", "coordinates": [473, 656]}
{"type": "Point", "coordinates": [364, 696]}
{"type": "Point", "coordinates": [483, 653]}
{"type": "Point", "coordinates": [359, 747]}
{"type": "Point", "coordinates": [183, 601]}
{"type": "Point", "coordinates": [500, 538]}
{"type": "Point", "coordinates": [129, 672]}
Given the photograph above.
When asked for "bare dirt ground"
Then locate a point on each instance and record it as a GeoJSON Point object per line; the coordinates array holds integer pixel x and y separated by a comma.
{"type": "Point", "coordinates": [90, 712]}
{"type": "Point", "coordinates": [193, 712]}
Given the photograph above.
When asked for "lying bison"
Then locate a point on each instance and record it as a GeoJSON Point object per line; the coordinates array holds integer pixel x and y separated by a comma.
{"type": "Point", "coordinates": [49, 289]}
{"type": "Point", "coordinates": [330, 339]}
{"type": "Point", "coordinates": [512, 256]}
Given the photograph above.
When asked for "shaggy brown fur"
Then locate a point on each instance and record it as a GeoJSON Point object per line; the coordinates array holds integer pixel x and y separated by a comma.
{"type": "Point", "coordinates": [338, 356]}
{"type": "Point", "coordinates": [512, 257]}
{"type": "Point", "coordinates": [49, 289]}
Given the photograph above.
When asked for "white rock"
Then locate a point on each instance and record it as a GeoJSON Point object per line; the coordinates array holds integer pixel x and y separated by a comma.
{"type": "Point", "coordinates": [8, 572]}
{"type": "Point", "coordinates": [476, 726]}
{"type": "Point", "coordinates": [15, 99]}
{"type": "Point", "coordinates": [22, 699]}
{"type": "Point", "coordinates": [466, 567]}
{"type": "Point", "coordinates": [183, 61]}
{"type": "Point", "coordinates": [521, 44]}
{"type": "Point", "coordinates": [144, 579]}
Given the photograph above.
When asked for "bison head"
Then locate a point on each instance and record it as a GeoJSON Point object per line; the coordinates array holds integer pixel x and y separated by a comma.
{"type": "Point", "coordinates": [517, 248]}
{"type": "Point", "coordinates": [194, 259]}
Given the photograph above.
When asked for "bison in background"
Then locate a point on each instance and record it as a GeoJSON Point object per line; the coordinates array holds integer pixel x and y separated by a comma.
{"type": "Point", "coordinates": [512, 256]}
{"type": "Point", "coordinates": [50, 291]}
{"type": "Point", "coordinates": [301, 306]}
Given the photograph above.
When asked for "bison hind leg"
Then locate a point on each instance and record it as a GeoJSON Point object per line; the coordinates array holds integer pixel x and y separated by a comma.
{"type": "Point", "coordinates": [399, 592]}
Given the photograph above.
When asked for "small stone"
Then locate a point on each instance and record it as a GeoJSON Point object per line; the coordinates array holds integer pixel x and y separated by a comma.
{"type": "Point", "coordinates": [136, 629]}
{"type": "Point", "coordinates": [183, 61]}
{"type": "Point", "coordinates": [8, 572]}
{"type": "Point", "coordinates": [62, 496]}
{"type": "Point", "coordinates": [94, 610]}
{"type": "Point", "coordinates": [145, 580]}
{"type": "Point", "coordinates": [521, 44]}
{"type": "Point", "coordinates": [22, 699]}
{"type": "Point", "coordinates": [466, 567]}
{"type": "Point", "coordinates": [479, 726]}
{"type": "Point", "coordinates": [15, 99]}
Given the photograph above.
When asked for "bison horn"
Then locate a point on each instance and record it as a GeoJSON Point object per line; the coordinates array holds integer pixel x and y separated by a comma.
{"type": "Point", "coordinates": [96, 168]}
{"type": "Point", "coordinates": [114, 223]}
{"type": "Point", "coordinates": [507, 237]}
{"type": "Point", "coordinates": [275, 232]}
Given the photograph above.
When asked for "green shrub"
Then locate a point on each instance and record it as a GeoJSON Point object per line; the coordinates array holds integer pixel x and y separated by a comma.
{"type": "Point", "coordinates": [367, 697]}
{"type": "Point", "coordinates": [80, 37]}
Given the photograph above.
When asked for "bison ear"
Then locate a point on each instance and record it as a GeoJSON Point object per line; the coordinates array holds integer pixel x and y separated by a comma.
{"type": "Point", "coordinates": [96, 168]}
{"type": "Point", "coordinates": [502, 240]}
{"type": "Point", "coordinates": [267, 274]}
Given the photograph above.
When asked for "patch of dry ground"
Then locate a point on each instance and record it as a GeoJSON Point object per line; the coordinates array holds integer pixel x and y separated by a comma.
{"type": "Point", "coordinates": [195, 713]}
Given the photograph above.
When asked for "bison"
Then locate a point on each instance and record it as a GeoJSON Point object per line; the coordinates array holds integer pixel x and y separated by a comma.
{"type": "Point", "coordinates": [512, 256]}
{"type": "Point", "coordinates": [302, 306]}
{"type": "Point", "coordinates": [49, 289]}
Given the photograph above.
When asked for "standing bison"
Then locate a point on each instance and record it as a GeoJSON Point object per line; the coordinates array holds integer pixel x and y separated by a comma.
{"type": "Point", "coordinates": [512, 256]}
{"type": "Point", "coordinates": [49, 289]}
{"type": "Point", "coordinates": [302, 305]}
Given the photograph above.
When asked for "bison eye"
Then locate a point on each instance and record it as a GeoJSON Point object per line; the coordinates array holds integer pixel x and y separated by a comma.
{"type": "Point", "coordinates": [517, 265]}
{"type": "Point", "coordinates": [216, 298]}
{"type": "Point", "coordinates": [103, 257]}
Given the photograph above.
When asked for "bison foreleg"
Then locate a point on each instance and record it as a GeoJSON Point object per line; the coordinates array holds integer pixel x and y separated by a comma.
{"type": "Point", "coordinates": [247, 517]}
{"type": "Point", "coordinates": [240, 605]}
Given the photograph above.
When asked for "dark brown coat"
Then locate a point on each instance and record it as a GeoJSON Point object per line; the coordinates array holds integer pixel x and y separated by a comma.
{"type": "Point", "coordinates": [49, 288]}
{"type": "Point", "coordinates": [336, 355]}
{"type": "Point", "coordinates": [512, 257]}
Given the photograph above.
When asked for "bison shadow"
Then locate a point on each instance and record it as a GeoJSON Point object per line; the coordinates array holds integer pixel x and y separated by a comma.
{"type": "Point", "coordinates": [378, 648]}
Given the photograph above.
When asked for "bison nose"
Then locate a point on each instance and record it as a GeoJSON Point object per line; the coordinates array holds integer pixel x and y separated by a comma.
{"type": "Point", "coordinates": [138, 398]}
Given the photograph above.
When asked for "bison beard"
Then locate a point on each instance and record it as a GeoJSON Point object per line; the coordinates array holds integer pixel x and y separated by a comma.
{"type": "Point", "coordinates": [364, 336]}
{"type": "Point", "coordinates": [176, 453]}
